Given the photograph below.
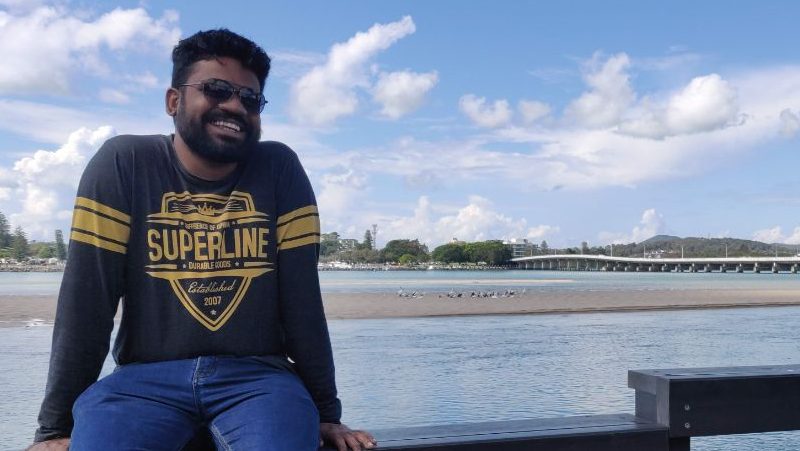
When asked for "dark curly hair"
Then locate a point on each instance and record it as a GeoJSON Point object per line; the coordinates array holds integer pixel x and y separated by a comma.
{"type": "Point", "coordinates": [206, 45]}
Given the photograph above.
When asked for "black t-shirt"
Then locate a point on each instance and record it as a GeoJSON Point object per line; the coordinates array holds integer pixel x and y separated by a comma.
{"type": "Point", "coordinates": [202, 268]}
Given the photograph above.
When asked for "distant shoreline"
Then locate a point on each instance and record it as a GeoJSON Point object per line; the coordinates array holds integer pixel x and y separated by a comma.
{"type": "Point", "coordinates": [32, 268]}
{"type": "Point", "coordinates": [22, 310]}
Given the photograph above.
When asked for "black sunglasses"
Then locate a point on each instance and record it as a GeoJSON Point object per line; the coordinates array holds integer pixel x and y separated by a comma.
{"type": "Point", "coordinates": [221, 90]}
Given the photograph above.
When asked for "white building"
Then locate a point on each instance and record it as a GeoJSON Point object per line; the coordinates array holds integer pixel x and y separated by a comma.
{"type": "Point", "coordinates": [520, 247]}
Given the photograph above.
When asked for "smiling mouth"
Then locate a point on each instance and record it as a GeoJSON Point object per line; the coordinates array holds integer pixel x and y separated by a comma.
{"type": "Point", "coordinates": [227, 125]}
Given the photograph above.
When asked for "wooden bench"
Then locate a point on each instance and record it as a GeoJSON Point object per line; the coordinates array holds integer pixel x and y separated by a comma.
{"type": "Point", "coordinates": [672, 406]}
{"type": "Point", "coordinates": [621, 432]}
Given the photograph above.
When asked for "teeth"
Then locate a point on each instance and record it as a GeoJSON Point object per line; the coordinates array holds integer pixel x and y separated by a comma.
{"type": "Point", "coordinates": [228, 125]}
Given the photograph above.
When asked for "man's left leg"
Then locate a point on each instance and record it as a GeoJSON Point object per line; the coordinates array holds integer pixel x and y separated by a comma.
{"type": "Point", "coordinates": [254, 405]}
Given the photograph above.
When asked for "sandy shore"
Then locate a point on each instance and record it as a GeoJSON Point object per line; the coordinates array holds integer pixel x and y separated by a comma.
{"type": "Point", "coordinates": [18, 310]}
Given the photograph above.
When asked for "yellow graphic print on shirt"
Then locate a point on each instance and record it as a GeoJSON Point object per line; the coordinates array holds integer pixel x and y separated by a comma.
{"type": "Point", "coordinates": [209, 248]}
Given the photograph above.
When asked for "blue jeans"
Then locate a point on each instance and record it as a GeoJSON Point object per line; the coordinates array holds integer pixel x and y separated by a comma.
{"type": "Point", "coordinates": [248, 403]}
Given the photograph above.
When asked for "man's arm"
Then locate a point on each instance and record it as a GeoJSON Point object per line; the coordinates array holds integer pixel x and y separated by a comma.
{"type": "Point", "coordinates": [302, 314]}
{"type": "Point", "coordinates": [90, 291]}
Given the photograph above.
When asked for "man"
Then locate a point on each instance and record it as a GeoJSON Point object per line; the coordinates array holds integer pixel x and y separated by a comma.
{"type": "Point", "coordinates": [210, 239]}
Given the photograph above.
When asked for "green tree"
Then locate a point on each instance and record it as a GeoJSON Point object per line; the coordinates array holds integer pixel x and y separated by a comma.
{"type": "Point", "coordinates": [61, 248]}
{"type": "Point", "coordinates": [407, 259]}
{"type": "Point", "coordinates": [46, 251]}
{"type": "Point", "coordinates": [367, 244]}
{"type": "Point", "coordinates": [449, 253]}
{"type": "Point", "coordinates": [396, 248]}
{"type": "Point", "coordinates": [19, 244]}
{"type": "Point", "coordinates": [329, 244]}
{"type": "Point", "coordinates": [5, 231]}
{"type": "Point", "coordinates": [493, 252]}
{"type": "Point", "coordinates": [360, 256]}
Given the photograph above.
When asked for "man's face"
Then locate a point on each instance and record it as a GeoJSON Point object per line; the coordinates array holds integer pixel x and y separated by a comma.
{"type": "Point", "coordinates": [223, 132]}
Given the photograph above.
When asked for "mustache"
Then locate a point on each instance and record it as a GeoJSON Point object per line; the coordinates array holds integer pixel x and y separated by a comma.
{"type": "Point", "coordinates": [219, 115]}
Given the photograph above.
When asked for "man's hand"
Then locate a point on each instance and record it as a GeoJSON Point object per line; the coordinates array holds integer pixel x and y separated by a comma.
{"type": "Point", "coordinates": [344, 438]}
{"type": "Point", "coordinates": [58, 444]}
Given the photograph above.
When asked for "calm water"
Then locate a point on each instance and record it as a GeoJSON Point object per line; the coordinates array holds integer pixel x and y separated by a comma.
{"type": "Point", "coordinates": [383, 281]}
{"type": "Point", "coordinates": [405, 372]}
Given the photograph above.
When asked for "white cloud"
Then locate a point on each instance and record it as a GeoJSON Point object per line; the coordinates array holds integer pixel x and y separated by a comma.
{"type": "Point", "coordinates": [53, 124]}
{"type": "Point", "coordinates": [144, 80]}
{"type": "Point", "coordinates": [478, 220]}
{"type": "Point", "coordinates": [706, 103]}
{"type": "Point", "coordinates": [44, 183]}
{"type": "Point", "coordinates": [402, 92]}
{"type": "Point", "coordinates": [532, 110]}
{"type": "Point", "coordinates": [293, 64]}
{"type": "Point", "coordinates": [328, 92]}
{"type": "Point", "coordinates": [114, 96]}
{"type": "Point", "coordinates": [609, 96]}
{"type": "Point", "coordinates": [494, 115]}
{"type": "Point", "coordinates": [651, 224]}
{"type": "Point", "coordinates": [775, 235]}
{"type": "Point", "coordinates": [561, 155]}
{"type": "Point", "coordinates": [790, 122]}
{"type": "Point", "coordinates": [339, 191]}
{"type": "Point", "coordinates": [542, 231]}
{"type": "Point", "coordinates": [43, 47]}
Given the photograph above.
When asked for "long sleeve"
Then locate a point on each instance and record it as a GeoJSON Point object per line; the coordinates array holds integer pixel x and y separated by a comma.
{"type": "Point", "coordinates": [90, 290]}
{"type": "Point", "coordinates": [303, 318]}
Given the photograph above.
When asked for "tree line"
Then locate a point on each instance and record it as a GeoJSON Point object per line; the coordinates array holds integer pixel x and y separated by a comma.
{"type": "Point", "coordinates": [17, 246]}
{"type": "Point", "coordinates": [409, 252]}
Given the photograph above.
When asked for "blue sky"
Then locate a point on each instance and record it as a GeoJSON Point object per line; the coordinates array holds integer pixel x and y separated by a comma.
{"type": "Point", "coordinates": [560, 121]}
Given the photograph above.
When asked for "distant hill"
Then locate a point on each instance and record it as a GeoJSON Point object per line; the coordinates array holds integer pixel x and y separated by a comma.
{"type": "Point", "coordinates": [670, 246]}
{"type": "Point", "coordinates": [661, 238]}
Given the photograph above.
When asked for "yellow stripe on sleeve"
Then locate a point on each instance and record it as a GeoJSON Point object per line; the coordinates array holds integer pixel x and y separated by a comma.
{"type": "Point", "coordinates": [295, 213]}
{"type": "Point", "coordinates": [88, 221]}
{"type": "Point", "coordinates": [99, 242]}
{"type": "Point", "coordinates": [104, 209]}
{"type": "Point", "coordinates": [298, 227]}
{"type": "Point", "coordinates": [312, 239]}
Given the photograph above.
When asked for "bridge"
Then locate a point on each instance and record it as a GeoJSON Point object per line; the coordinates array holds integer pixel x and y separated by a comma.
{"type": "Point", "coordinates": [578, 262]}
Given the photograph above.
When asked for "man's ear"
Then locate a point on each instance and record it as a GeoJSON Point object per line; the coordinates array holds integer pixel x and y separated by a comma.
{"type": "Point", "coordinates": [171, 100]}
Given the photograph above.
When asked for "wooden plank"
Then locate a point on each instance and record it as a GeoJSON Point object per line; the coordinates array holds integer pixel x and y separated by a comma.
{"type": "Point", "coordinates": [694, 402]}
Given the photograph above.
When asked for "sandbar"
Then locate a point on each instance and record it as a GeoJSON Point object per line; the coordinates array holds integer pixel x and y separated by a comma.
{"type": "Point", "coordinates": [27, 310]}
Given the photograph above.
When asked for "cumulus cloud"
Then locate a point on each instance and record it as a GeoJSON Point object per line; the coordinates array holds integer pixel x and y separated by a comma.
{"type": "Point", "coordinates": [610, 92]}
{"type": "Point", "coordinates": [775, 235]}
{"type": "Point", "coordinates": [651, 224]}
{"type": "Point", "coordinates": [402, 92]}
{"type": "Point", "coordinates": [496, 114]}
{"type": "Point", "coordinates": [44, 183]}
{"type": "Point", "coordinates": [706, 103]}
{"type": "Point", "coordinates": [476, 221]}
{"type": "Point", "coordinates": [43, 47]}
{"type": "Point", "coordinates": [532, 110]}
{"type": "Point", "coordinates": [329, 91]}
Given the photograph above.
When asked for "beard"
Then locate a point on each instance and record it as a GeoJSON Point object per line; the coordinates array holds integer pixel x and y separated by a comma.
{"type": "Point", "coordinates": [194, 134]}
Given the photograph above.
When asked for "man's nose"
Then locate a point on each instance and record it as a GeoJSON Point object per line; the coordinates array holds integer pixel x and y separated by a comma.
{"type": "Point", "coordinates": [234, 105]}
